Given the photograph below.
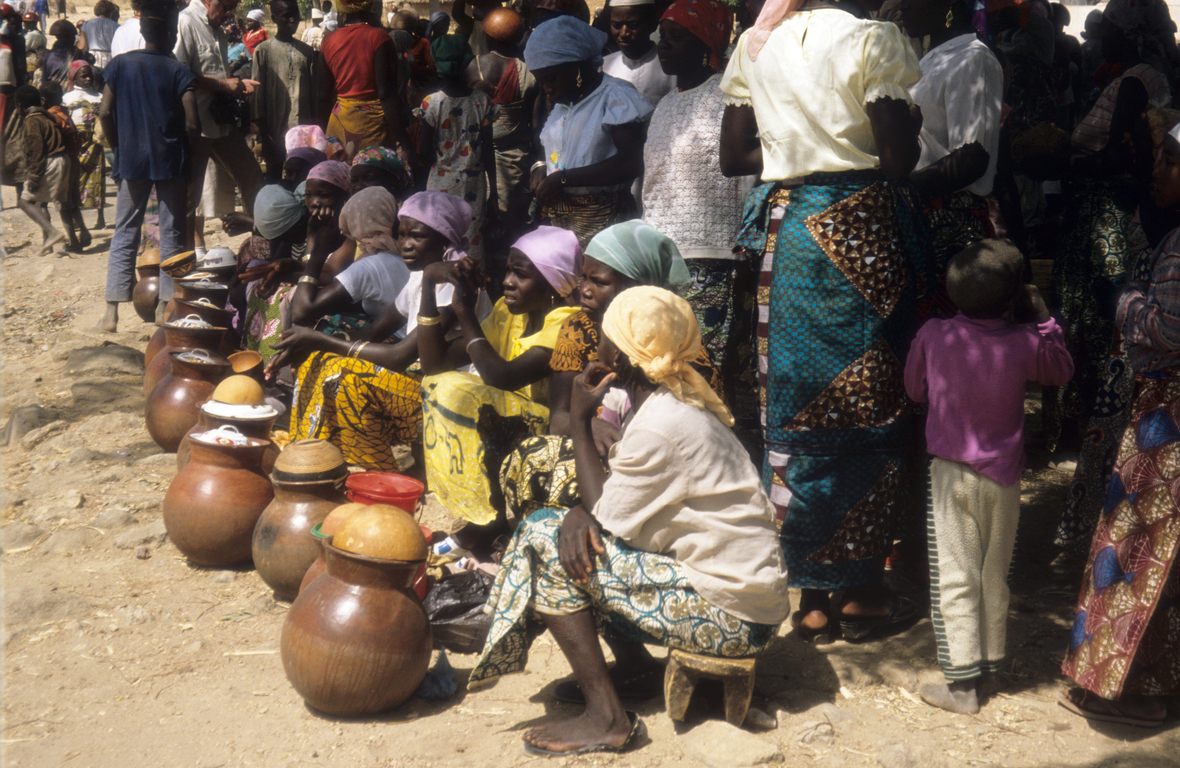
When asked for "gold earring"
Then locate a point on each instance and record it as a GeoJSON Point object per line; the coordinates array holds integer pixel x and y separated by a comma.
{"type": "Point", "coordinates": [705, 61]}
{"type": "Point", "coordinates": [950, 17]}
{"type": "Point", "coordinates": [579, 80]}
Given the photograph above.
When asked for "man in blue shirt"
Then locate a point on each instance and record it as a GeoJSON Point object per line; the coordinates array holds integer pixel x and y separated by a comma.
{"type": "Point", "coordinates": [149, 114]}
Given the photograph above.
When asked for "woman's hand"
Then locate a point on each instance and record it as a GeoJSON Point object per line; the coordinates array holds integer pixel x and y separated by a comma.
{"type": "Point", "coordinates": [580, 533]}
{"type": "Point", "coordinates": [441, 272]}
{"type": "Point", "coordinates": [321, 215]}
{"type": "Point", "coordinates": [237, 223]}
{"type": "Point", "coordinates": [605, 436]}
{"type": "Point", "coordinates": [269, 275]}
{"type": "Point", "coordinates": [295, 343]}
{"type": "Point", "coordinates": [589, 388]}
{"type": "Point", "coordinates": [548, 191]}
{"type": "Point", "coordinates": [535, 179]}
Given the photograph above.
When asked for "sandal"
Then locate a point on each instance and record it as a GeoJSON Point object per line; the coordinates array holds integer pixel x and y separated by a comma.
{"type": "Point", "coordinates": [901, 612]}
{"type": "Point", "coordinates": [1093, 707]}
{"type": "Point", "coordinates": [645, 685]}
{"type": "Point", "coordinates": [821, 636]}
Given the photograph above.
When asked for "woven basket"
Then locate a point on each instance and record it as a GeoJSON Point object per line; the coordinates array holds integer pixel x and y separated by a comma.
{"type": "Point", "coordinates": [309, 460]}
{"type": "Point", "coordinates": [180, 264]}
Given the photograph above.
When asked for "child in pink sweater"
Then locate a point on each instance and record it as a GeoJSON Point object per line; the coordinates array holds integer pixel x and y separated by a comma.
{"type": "Point", "coordinates": [972, 370]}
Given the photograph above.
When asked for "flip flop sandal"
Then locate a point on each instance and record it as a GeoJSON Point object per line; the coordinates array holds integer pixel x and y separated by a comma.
{"type": "Point", "coordinates": [1070, 700]}
{"type": "Point", "coordinates": [637, 730]}
{"type": "Point", "coordinates": [821, 636]}
{"type": "Point", "coordinates": [641, 687]}
{"type": "Point", "coordinates": [902, 611]}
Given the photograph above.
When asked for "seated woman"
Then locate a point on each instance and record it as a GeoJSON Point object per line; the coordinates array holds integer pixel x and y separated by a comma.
{"type": "Point", "coordinates": [472, 420]}
{"type": "Point", "coordinates": [365, 397]}
{"type": "Point", "coordinates": [680, 528]}
{"type": "Point", "coordinates": [271, 303]}
{"type": "Point", "coordinates": [540, 471]}
{"type": "Point", "coordinates": [593, 138]}
{"type": "Point", "coordinates": [380, 167]}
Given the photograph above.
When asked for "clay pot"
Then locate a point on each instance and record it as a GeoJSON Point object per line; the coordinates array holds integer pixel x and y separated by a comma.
{"type": "Point", "coordinates": [214, 503]}
{"type": "Point", "coordinates": [146, 292]}
{"type": "Point", "coordinates": [318, 566]}
{"type": "Point", "coordinates": [179, 340]}
{"type": "Point", "coordinates": [247, 363]}
{"type": "Point", "coordinates": [283, 546]}
{"type": "Point", "coordinates": [357, 640]}
{"type": "Point", "coordinates": [326, 530]}
{"type": "Point", "coordinates": [172, 407]}
{"type": "Point", "coordinates": [217, 316]}
{"type": "Point", "coordinates": [249, 421]}
{"type": "Point", "coordinates": [192, 290]}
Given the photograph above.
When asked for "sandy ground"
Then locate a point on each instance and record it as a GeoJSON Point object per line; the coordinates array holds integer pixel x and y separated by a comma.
{"type": "Point", "coordinates": [119, 652]}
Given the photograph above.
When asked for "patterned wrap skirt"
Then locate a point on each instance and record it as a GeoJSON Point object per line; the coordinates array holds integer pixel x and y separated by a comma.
{"type": "Point", "coordinates": [362, 409]}
{"type": "Point", "coordinates": [587, 215]}
{"type": "Point", "coordinates": [1099, 247]}
{"type": "Point", "coordinates": [842, 257]}
{"type": "Point", "coordinates": [1126, 632]}
{"type": "Point", "coordinates": [634, 596]}
{"type": "Point", "coordinates": [358, 124]}
{"type": "Point", "coordinates": [469, 428]}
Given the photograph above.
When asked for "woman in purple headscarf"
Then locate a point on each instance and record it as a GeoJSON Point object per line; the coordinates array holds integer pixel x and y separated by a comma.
{"type": "Point", "coordinates": [472, 420]}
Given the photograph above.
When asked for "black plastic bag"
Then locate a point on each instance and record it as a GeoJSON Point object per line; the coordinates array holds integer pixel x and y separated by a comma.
{"type": "Point", "coordinates": [454, 606]}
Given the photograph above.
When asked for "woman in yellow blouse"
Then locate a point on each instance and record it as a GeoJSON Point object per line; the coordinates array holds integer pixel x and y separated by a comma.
{"type": "Point", "coordinates": [472, 420]}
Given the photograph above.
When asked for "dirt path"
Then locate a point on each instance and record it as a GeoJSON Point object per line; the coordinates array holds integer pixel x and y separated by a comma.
{"type": "Point", "coordinates": [118, 652]}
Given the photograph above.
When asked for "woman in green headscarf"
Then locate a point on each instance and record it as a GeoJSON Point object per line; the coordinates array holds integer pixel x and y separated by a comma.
{"type": "Point", "coordinates": [540, 471]}
{"type": "Point", "coordinates": [457, 133]}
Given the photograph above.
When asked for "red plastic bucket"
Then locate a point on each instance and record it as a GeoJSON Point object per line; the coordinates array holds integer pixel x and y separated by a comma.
{"type": "Point", "coordinates": [384, 488]}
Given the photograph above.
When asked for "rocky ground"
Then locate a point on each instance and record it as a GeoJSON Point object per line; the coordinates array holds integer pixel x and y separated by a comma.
{"type": "Point", "coordinates": [118, 652]}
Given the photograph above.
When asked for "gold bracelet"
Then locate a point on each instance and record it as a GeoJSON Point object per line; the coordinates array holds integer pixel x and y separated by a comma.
{"type": "Point", "coordinates": [352, 348]}
{"type": "Point", "coordinates": [358, 349]}
{"type": "Point", "coordinates": [309, 279]}
{"type": "Point", "coordinates": [424, 320]}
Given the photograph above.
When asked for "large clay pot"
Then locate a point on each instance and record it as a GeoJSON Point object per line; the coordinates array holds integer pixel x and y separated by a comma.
{"type": "Point", "coordinates": [283, 545]}
{"type": "Point", "coordinates": [179, 340]}
{"type": "Point", "coordinates": [215, 415]}
{"type": "Point", "coordinates": [318, 566]}
{"type": "Point", "coordinates": [214, 503]}
{"type": "Point", "coordinates": [146, 292]}
{"type": "Point", "coordinates": [174, 403]}
{"type": "Point", "coordinates": [357, 641]}
{"type": "Point", "coordinates": [186, 292]}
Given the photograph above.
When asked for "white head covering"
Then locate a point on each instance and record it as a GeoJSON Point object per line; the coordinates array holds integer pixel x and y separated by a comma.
{"type": "Point", "coordinates": [316, 13]}
{"type": "Point", "coordinates": [255, 15]}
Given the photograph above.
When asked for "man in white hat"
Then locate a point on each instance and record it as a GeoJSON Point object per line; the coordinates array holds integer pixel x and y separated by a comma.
{"type": "Point", "coordinates": [255, 34]}
{"type": "Point", "coordinates": [633, 26]}
{"type": "Point", "coordinates": [315, 32]}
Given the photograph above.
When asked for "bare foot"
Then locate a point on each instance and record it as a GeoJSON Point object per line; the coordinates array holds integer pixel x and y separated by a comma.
{"type": "Point", "coordinates": [586, 730]}
{"type": "Point", "coordinates": [51, 240]}
{"type": "Point", "coordinates": [110, 321]}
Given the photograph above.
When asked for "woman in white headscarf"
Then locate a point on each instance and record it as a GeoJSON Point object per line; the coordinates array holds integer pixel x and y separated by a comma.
{"type": "Point", "coordinates": [593, 139]}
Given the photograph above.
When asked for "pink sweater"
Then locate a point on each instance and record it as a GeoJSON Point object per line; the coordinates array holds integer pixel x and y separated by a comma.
{"type": "Point", "coordinates": [973, 375]}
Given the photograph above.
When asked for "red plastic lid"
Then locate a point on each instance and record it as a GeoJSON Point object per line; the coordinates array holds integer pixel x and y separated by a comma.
{"type": "Point", "coordinates": [384, 488]}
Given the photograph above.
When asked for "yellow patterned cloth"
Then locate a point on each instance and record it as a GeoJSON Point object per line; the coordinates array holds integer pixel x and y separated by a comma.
{"type": "Point", "coordinates": [505, 332]}
{"type": "Point", "coordinates": [362, 409]}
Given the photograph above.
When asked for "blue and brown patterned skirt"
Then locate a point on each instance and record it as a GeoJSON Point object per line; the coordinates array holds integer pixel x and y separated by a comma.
{"type": "Point", "coordinates": [843, 257]}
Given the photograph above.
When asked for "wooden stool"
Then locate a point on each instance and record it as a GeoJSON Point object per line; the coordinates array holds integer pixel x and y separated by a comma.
{"type": "Point", "coordinates": [686, 669]}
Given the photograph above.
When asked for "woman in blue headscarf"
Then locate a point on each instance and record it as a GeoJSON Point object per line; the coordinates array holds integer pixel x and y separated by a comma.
{"type": "Point", "coordinates": [593, 139]}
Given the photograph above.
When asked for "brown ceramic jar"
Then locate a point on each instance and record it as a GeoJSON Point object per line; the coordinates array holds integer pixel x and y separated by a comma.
{"type": "Point", "coordinates": [178, 340]}
{"type": "Point", "coordinates": [146, 292]}
{"type": "Point", "coordinates": [213, 415]}
{"type": "Point", "coordinates": [173, 404]}
{"type": "Point", "coordinates": [214, 503]}
{"type": "Point", "coordinates": [357, 641]}
{"type": "Point", "coordinates": [283, 545]}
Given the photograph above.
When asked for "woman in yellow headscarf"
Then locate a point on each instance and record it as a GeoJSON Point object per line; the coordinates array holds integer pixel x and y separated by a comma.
{"type": "Point", "coordinates": [677, 547]}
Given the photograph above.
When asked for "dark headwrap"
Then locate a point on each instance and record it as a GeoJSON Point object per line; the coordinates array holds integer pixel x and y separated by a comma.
{"type": "Point", "coordinates": [451, 55]}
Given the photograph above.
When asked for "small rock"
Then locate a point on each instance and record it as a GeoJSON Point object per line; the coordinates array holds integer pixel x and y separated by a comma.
{"type": "Point", "coordinates": [718, 744]}
{"type": "Point", "coordinates": [26, 419]}
{"type": "Point", "coordinates": [130, 615]}
{"type": "Point", "coordinates": [833, 714]}
{"type": "Point", "coordinates": [759, 720]}
{"type": "Point", "coordinates": [153, 533]}
{"type": "Point", "coordinates": [143, 552]}
{"type": "Point", "coordinates": [44, 274]}
{"type": "Point", "coordinates": [193, 647]}
{"type": "Point", "coordinates": [18, 535]}
{"type": "Point", "coordinates": [814, 732]}
{"type": "Point", "coordinates": [72, 540]}
{"type": "Point", "coordinates": [897, 756]}
{"type": "Point", "coordinates": [37, 436]}
{"type": "Point", "coordinates": [157, 460]}
{"type": "Point", "coordinates": [224, 577]}
{"type": "Point", "coordinates": [113, 518]}
{"type": "Point", "coordinates": [73, 499]}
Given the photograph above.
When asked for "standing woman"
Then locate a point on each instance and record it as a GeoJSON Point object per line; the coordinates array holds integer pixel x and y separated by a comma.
{"type": "Point", "coordinates": [960, 94]}
{"type": "Point", "coordinates": [818, 104]}
{"type": "Point", "coordinates": [1098, 230]}
{"type": "Point", "coordinates": [686, 197]}
{"type": "Point", "coordinates": [1124, 650]}
{"type": "Point", "coordinates": [55, 67]}
{"type": "Point", "coordinates": [593, 139]}
{"type": "Point", "coordinates": [358, 81]}
{"type": "Point", "coordinates": [82, 99]}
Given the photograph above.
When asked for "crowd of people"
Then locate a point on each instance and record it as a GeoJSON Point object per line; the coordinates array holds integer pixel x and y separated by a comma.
{"type": "Point", "coordinates": [682, 305]}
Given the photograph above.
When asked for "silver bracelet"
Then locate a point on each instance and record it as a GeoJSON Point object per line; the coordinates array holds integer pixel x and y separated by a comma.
{"type": "Point", "coordinates": [536, 165]}
{"type": "Point", "coordinates": [475, 341]}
